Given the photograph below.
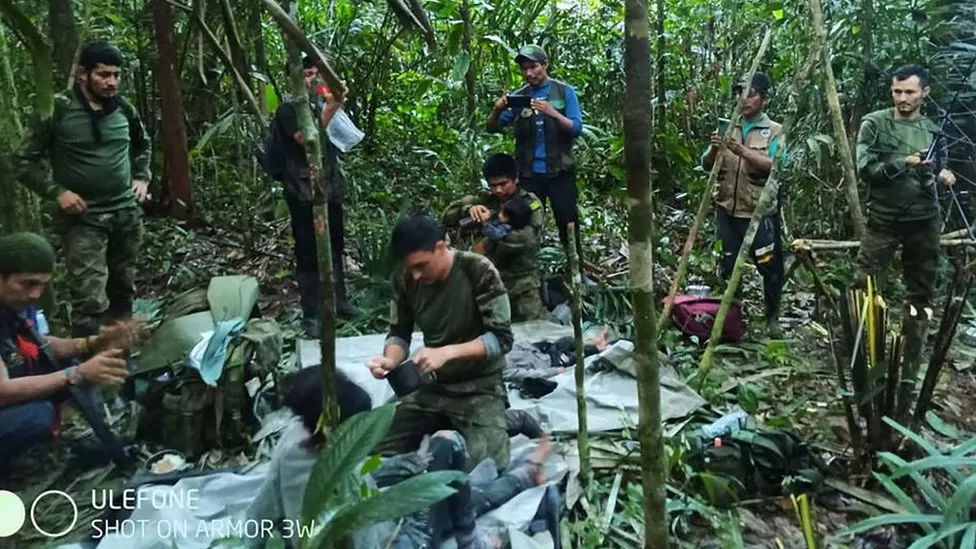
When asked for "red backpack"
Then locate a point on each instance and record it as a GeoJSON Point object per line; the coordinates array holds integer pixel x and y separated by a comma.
{"type": "Point", "coordinates": [695, 316]}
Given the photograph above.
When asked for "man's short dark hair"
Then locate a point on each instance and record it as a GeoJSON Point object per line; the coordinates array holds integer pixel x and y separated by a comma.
{"type": "Point", "coordinates": [500, 165]}
{"type": "Point", "coordinates": [519, 212]}
{"type": "Point", "coordinates": [102, 52]}
{"type": "Point", "coordinates": [416, 233]}
{"type": "Point", "coordinates": [303, 396]}
{"type": "Point", "coordinates": [761, 84]}
{"type": "Point", "coordinates": [905, 72]}
{"type": "Point", "coordinates": [308, 62]}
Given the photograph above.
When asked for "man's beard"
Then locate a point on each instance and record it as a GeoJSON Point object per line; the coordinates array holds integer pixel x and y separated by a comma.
{"type": "Point", "coordinates": [99, 96]}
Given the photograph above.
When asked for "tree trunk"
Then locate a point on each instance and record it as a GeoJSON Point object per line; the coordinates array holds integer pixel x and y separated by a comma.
{"type": "Point", "coordinates": [763, 207]}
{"type": "Point", "coordinates": [837, 119]}
{"type": "Point", "coordinates": [237, 53]}
{"type": "Point", "coordinates": [706, 199]}
{"type": "Point", "coordinates": [175, 157]}
{"type": "Point", "coordinates": [20, 213]}
{"type": "Point", "coordinates": [61, 23]}
{"type": "Point", "coordinates": [660, 157]}
{"type": "Point", "coordinates": [313, 149]}
{"type": "Point", "coordinates": [576, 298]}
{"type": "Point", "coordinates": [868, 70]}
{"type": "Point", "coordinates": [260, 56]}
{"type": "Point", "coordinates": [469, 77]}
{"type": "Point", "coordinates": [40, 52]}
{"type": "Point", "coordinates": [637, 161]}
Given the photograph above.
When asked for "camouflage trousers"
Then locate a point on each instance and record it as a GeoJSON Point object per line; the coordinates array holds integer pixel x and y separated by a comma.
{"type": "Point", "coordinates": [100, 254]}
{"type": "Point", "coordinates": [919, 242]}
{"type": "Point", "coordinates": [525, 296]}
{"type": "Point", "coordinates": [479, 419]}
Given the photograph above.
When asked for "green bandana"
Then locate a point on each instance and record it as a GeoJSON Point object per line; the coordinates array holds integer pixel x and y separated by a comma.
{"type": "Point", "coordinates": [25, 253]}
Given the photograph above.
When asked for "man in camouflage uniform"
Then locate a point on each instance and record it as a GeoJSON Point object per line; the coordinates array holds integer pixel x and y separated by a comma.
{"type": "Point", "coordinates": [36, 371]}
{"type": "Point", "coordinates": [744, 166]}
{"type": "Point", "coordinates": [893, 160]}
{"type": "Point", "coordinates": [459, 303]}
{"type": "Point", "coordinates": [99, 154]}
{"type": "Point", "coordinates": [517, 256]}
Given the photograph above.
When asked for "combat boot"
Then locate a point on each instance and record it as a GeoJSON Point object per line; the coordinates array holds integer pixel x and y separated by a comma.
{"type": "Point", "coordinates": [343, 308]}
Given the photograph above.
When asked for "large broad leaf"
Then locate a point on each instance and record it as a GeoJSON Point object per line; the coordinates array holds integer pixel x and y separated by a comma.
{"type": "Point", "coordinates": [348, 445]}
{"type": "Point", "coordinates": [461, 64]}
{"type": "Point", "coordinates": [233, 296]}
{"type": "Point", "coordinates": [405, 498]}
{"type": "Point", "coordinates": [172, 341]}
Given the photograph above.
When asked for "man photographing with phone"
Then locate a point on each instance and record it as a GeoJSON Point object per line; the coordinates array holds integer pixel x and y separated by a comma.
{"type": "Point", "coordinates": [744, 166]}
{"type": "Point", "coordinates": [546, 125]}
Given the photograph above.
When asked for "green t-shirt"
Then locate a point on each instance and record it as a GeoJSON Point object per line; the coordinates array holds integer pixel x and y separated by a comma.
{"type": "Point", "coordinates": [470, 303]}
{"type": "Point", "coordinates": [101, 171]}
{"type": "Point", "coordinates": [896, 192]}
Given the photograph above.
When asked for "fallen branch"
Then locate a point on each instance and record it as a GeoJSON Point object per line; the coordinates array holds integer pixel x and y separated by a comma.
{"type": "Point", "coordinates": [706, 198]}
{"type": "Point", "coordinates": [298, 37]}
{"type": "Point", "coordinates": [838, 245]}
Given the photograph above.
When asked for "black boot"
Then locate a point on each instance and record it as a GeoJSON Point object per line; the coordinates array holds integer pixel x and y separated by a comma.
{"type": "Point", "coordinates": [772, 293]}
{"type": "Point", "coordinates": [308, 289]}
{"type": "Point", "coordinates": [343, 308]}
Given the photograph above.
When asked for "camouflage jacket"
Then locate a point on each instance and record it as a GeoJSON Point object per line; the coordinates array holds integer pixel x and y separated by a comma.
{"type": "Point", "coordinates": [95, 154]}
{"type": "Point", "coordinates": [470, 304]}
{"type": "Point", "coordinates": [517, 255]}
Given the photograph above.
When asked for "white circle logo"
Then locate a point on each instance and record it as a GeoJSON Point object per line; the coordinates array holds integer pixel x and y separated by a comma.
{"type": "Point", "coordinates": [12, 513]}
{"type": "Point", "coordinates": [74, 519]}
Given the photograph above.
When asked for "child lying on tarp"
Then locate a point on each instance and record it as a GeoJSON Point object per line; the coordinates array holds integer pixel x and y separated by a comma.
{"type": "Point", "coordinates": [528, 366]}
{"type": "Point", "coordinates": [283, 491]}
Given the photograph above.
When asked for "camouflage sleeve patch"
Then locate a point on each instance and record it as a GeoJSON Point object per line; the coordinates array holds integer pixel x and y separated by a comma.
{"type": "Point", "coordinates": [517, 242]}
{"type": "Point", "coordinates": [537, 221]}
{"type": "Point", "coordinates": [401, 315]}
{"type": "Point", "coordinates": [494, 307]}
{"type": "Point", "coordinates": [30, 159]}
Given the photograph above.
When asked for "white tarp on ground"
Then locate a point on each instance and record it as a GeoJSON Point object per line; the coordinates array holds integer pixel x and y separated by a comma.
{"type": "Point", "coordinates": [220, 500]}
{"type": "Point", "coordinates": [611, 388]}
{"type": "Point", "coordinates": [612, 404]}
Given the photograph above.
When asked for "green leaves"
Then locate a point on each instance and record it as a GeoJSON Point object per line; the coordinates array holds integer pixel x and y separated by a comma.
{"type": "Point", "coordinates": [956, 525]}
{"type": "Point", "coordinates": [348, 445]}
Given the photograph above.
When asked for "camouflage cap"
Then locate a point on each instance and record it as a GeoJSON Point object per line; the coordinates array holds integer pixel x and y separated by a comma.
{"type": "Point", "coordinates": [531, 52]}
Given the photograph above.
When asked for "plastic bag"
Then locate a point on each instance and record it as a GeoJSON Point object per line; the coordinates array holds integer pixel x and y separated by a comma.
{"type": "Point", "coordinates": [343, 132]}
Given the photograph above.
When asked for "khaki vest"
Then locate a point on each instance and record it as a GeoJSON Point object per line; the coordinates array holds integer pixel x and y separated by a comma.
{"type": "Point", "coordinates": [739, 184]}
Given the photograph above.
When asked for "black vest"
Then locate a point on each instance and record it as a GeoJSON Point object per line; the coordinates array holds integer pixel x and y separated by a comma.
{"type": "Point", "coordinates": [559, 144]}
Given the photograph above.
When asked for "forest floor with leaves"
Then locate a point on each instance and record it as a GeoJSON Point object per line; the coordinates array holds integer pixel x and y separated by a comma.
{"type": "Point", "coordinates": [786, 383]}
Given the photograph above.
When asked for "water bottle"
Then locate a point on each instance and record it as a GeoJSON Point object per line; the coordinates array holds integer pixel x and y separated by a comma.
{"type": "Point", "coordinates": [42, 326]}
{"type": "Point", "coordinates": [724, 425]}
{"type": "Point", "coordinates": [698, 290]}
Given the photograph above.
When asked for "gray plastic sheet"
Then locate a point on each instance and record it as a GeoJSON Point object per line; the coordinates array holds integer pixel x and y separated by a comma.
{"type": "Point", "coordinates": [611, 393]}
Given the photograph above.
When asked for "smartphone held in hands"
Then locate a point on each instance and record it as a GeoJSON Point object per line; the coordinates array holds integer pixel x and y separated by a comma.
{"type": "Point", "coordinates": [519, 102]}
{"type": "Point", "coordinates": [723, 126]}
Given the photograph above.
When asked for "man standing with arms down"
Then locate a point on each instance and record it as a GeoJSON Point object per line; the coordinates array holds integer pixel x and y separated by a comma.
{"type": "Point", "coordinates": [458, 301]}
{"type": "Point", "coordinates": [744, 166]}
{"type": "Point", "coordinates": [298, 196]}
{"type": "Point", "coordinates": [544, 134]}
{"type": "Point", "coordinates": [894, 161]}
{"type": "Point", "coordinates": [517, 257]}
{"type": "Point", "coordinates": [99, 155]}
